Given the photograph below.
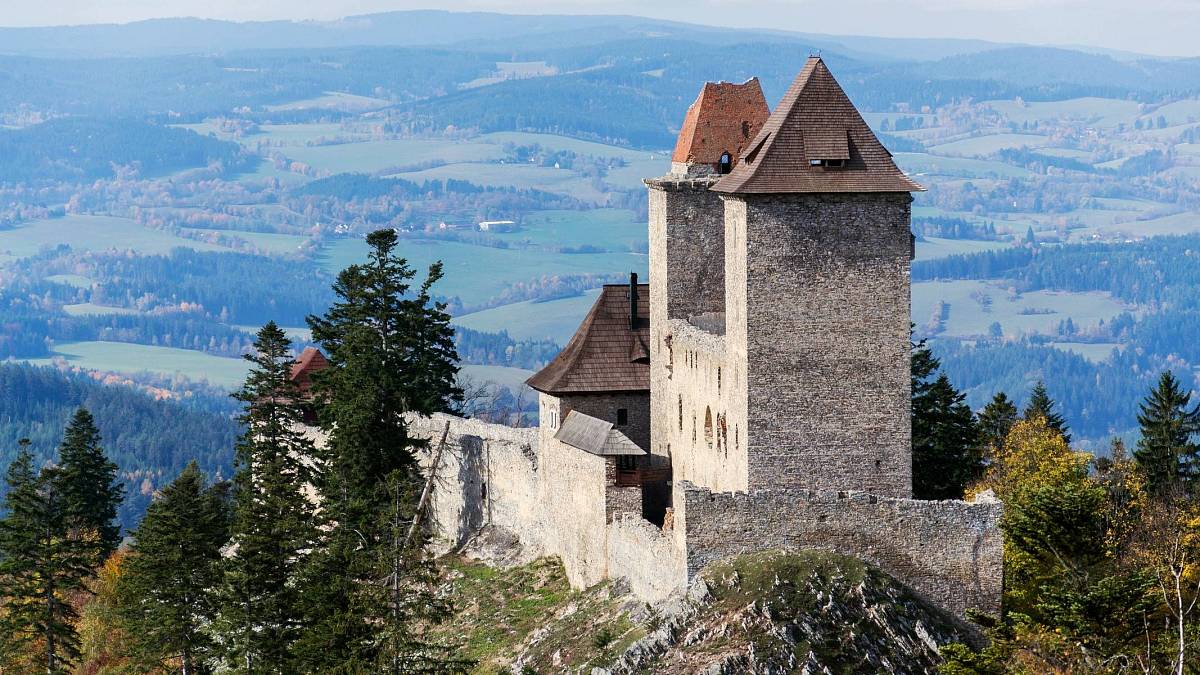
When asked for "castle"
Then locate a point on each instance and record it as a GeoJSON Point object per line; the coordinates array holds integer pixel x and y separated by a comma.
{"type": "Point", "coordinates": [754, 395]}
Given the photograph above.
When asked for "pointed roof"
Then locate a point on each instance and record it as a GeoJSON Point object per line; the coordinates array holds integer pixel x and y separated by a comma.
{"type": "Point", "coordinates": [606, 354]}
{"type": "Point", "coordinates": [723, 118]}
{"type": "Point", "coordinates": [815, 121]}
{"type": "Point", "coordinates": [311, 360]}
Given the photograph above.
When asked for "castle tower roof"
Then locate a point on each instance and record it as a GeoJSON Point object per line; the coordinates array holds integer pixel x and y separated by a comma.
{"type": "Point", "coordinates": [723, 118]}
{"type": "Point", "coordinates": [815, 141]}
{"type": "Point", "coordinates": [607, 353]}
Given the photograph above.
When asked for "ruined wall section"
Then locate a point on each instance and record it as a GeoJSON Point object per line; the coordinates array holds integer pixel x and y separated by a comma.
{"type": "Point", "coordinates": [951, 552]}
{"type": "Point", "coordinates": [707, 434]}
{"type": "Point", "coordinates": [651, 559]}
{"type": "Point", "coordinates": [822, 280]}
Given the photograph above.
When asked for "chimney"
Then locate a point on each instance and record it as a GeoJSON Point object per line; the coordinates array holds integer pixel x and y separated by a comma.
{"type": "Point", "coordinates": [633, 300]}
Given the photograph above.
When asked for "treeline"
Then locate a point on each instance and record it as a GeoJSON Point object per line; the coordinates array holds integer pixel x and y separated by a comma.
{"type": "Point", "coordinates": [151, 439]}
{"type": "Point", "coordinates": [313, 560]}
{"type": "Point", "coordinates": [85, 149]}
{"type": "Point", "coordinates": [951, 227]}
{"type": "Point", "coordinates": [499, 349]}
{"type": "Point", "coordinates": [363, 201]}
{"type": "Point", "coordinates": [1098, 553]}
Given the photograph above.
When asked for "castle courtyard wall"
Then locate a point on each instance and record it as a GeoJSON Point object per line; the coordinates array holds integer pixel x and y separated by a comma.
{"type": "Point", "coordinates": [950, 552]}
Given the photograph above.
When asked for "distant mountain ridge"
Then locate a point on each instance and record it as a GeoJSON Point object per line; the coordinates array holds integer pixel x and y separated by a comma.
{"type": "Point", "coordinates": [482, 30]}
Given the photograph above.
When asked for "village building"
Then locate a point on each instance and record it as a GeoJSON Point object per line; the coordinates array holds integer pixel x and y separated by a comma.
{"type": "Point", "coordinates": [754, 395]}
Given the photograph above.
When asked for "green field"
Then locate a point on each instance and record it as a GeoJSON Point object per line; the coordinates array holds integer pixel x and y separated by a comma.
{"type": "Point", "coordinates": [609, 229]}
{"type": "Point", "coordinates": [934, 247]}
{"type": "Point", "coordinates": [981, 146]}
{"type": "Point", "coordinates": [968, 316]}
{"type": "Point", "coordinates": [92, 233]}
{"type": "Point", "coordinates": [1096, 352]}
{"type": "Point", "coordinates": [86, 308]}
{"type": "Point", "coordinates": [555, 319]}
{"type": "Point", "coordinates": [334, 100]}
{"type": "Point", "coordinates": [526, 176]}
{"type": "Point", "coordinates": [581, 147]}
{"type": "Point", "coordinates": [477, 273]}
{"type": "Point", "coordinates": [268, 242]}
{"type": "Point", "coordinates": [76, 280]}
{"type": "Point", "coordinates": [1099, 112]}
{"type": "Point", "coordinates": [919, 164]}
{"type": "Point", "coordinates": [131, 359]}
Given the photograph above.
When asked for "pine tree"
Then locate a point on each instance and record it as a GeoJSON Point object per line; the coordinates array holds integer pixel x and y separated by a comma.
{"type": "Point", "coordinates": [391, 352]}
{"type": "Point", "coordinates": [1166, 453]}
{"type": "Point", "coordinates": [945, 443]}
{"type": "Point", "coordinates": [40, 565]}
{"type": "Point", "coordinates": [165, 593]}
{"type": "Point", "coordinates": [995, 421]}
{"type": "Point", "coordinates": [1041, 405]}
{"type": "Point", "coordinates": [89, 487]}
{"type": "Point", "coordinates": [274, 526]}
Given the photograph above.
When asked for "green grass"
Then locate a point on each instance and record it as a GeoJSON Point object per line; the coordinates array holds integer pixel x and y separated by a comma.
{"type": "Point", "coordinates": [86, 308]}
{"type": "Point", "coordinates": [969, 318]}
{"type": "Point", "coordinates": [131, 359]}
{"type": "Point", "coordinates": [1095, 352]}
{"type": "Point", "coordinates": [981, 146]}
{"type": "Point", "coordinates": [554, 142]}
{"type": "Point", "coordinates": [477, 273]}
{"type": "Point", "coordinates": [92, 233]}
{"type": "Point", "coordinates": [609, 229]}
{"type": "Point", "coordinates": [334, 100]}
{"type": "Point", "coordinates": [374, 156]}
{"type": "Point", "coordinates": [934, 247]}
{"type": "Point", "coordinates": [1098, 112]}
{"type": "Point", "coordinates": [527, 176]}
{"type": "Point", "coordinates": [280, 244]}
{"type": "Point", "coordinates": [919, 164]}
{"type": "Point", "coordinates": [555, 319]}
{"type": "Point", "coordinates": [76, 280]}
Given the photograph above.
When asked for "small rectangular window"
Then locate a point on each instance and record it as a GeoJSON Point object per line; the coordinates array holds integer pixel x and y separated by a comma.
{"type": "Point", "coordinates": [622, 417]}
{"type": "Point", "coordinates": [626, 462]}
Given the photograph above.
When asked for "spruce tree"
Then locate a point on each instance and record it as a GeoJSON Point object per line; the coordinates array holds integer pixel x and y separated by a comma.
{"type": "Point", "coordinates": [995, 421]}
{"type": "Point", "coordinates": [166, 591]}
{"type": "Point", "coordinates": [1041, 405]}
{"type": "Point", "coordinates": [391, 352]}
{"type": "Point", "coordinates": [89, 488]}
{"type": "Point", "coordinates": [40, 566]}
{"type": "Point", "coordinates": [274, 526]}
{"type": "Point", "coordinates": [945, 443]}
{"type": "Point", "coordinates": [1166, 452]}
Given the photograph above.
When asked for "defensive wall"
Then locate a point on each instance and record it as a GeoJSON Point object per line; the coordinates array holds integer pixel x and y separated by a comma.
{"type": "Point", "coordinates": [558, 501]}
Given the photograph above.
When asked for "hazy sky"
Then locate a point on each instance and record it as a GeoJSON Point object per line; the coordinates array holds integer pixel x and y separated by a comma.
{"type": "Point", "coordinates": [1166, 27]}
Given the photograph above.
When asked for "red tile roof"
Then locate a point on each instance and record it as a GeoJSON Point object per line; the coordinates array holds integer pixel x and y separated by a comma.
{"type": "Point", "coordinates": [815, 121]}
{"type": "Point", "coordinates": [311, 360]}
{"type": "Point", "coordinates": [605, 354]}
{"type": "Point", "coordinates": [723, 118]}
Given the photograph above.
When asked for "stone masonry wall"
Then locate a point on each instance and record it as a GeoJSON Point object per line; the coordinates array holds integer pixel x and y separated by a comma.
{"type": "Point", "coordinates": [687, 275]}
{"type": "Point", "coordinates": [951, 552]}
{"type": "Point", "coordinates": [651, 559]}
{"type": "Point", "coordinates": [605, 406]}
{"type": "Point", "coordinates": [818, 294]}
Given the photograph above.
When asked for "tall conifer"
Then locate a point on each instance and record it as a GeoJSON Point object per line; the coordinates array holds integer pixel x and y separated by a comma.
{"type": "Point", "coordinates": [1041, 405]}
{"type": "Point", "coordinates": [1166, 452]}
{"type": "Point", "coordinates": [995, 421]}
{"type": "Point", "coordinates": [274, 526]}
{"type": "Point", "coordinates": [89, 488]}
{"type": "Point", "coordinates": [945, 442]}
{"type": "Point", "coordinates": [166, 591]}
{"type": "Point", "coordinates": [391, 352]}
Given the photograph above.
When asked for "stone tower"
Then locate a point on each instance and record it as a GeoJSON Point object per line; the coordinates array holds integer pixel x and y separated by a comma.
{"type": "Point", "coordinates": [817, 292]}
{"type": "Point", "coordinates": [687, 225]}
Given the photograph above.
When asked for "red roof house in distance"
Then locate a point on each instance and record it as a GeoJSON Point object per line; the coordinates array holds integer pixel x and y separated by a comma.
{"type": "Point", "coordinates": [311, 360]}
{"type": "Point", "coordinates": [719, 126]}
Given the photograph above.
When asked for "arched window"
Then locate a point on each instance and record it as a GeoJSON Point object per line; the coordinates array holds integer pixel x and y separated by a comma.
{"type": "Point", "coordinates": [726, 164]}
{"type": "Point", "coordinates": [708, 427]}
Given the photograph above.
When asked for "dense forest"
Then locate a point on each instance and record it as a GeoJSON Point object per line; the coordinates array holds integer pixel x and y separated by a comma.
{"type": "Point", "coordinates": [84, 149]}
{"type": "Point", "coordinates": [151, 439]}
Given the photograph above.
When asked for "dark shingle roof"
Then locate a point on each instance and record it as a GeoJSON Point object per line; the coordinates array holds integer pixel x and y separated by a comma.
{"type": "Point", "coordinates": [815, 121]}
{"type": "Point", "coordinates": [605, 354]}
{"type": "Point", "coordinates": [595, 435]}
{"type": "Point", "coordinates": [724, 118]}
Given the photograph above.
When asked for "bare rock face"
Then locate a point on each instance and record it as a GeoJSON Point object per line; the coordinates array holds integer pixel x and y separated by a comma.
{"type": "Point", "coordinates": [807, 612]}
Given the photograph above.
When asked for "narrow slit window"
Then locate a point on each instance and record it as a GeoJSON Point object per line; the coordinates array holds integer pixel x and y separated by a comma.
{"type": "Point", "coordinates": [622, 417]}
